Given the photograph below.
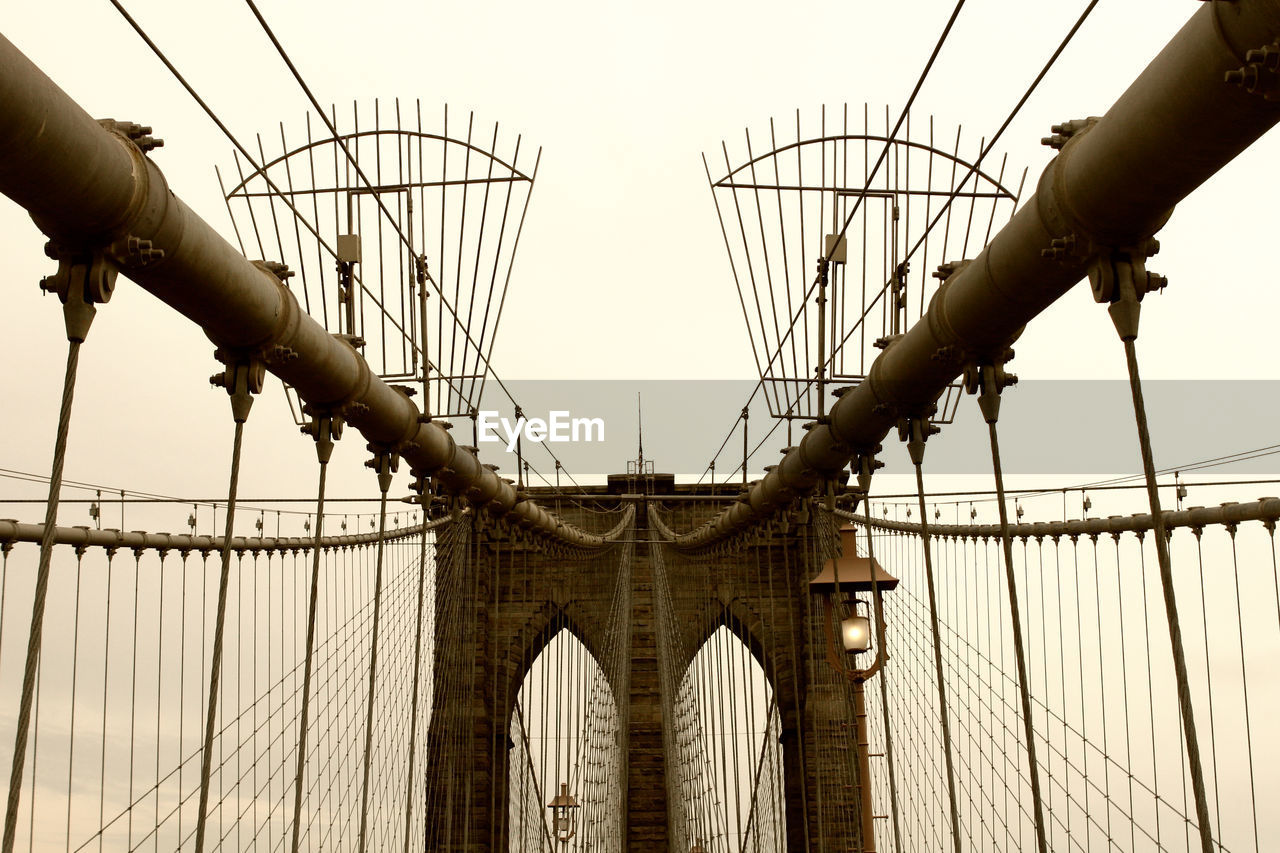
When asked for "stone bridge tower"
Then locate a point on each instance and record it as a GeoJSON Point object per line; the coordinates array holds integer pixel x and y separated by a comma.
{"type": "Point", "coordinates": [501, 597]}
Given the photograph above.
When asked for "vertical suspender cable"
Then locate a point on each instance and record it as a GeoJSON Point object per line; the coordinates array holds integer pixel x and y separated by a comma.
{"type": "Point", "coordinates": [215, 669]}
{"type": "Point", "coordinates": [417, 672]}
{"type": "Point", "coordinates": [384, 463]}
{"type": "Point", "coordinates": [915, 445]}
{"type": "Point", "coordinates": [239, 382]}
{"type": "Point", "coordinates": [37, 611]}
{"type": "Point", "coordinates": [324, 430]}
{"type": "Point", "coordinates": [1129, 277]}
{"type": "Point", "coordinates": [992, 379]}
{"type": "Point", "coordinates": [78, 311]}
{"type": "Point", "coordinates": [884, 686]}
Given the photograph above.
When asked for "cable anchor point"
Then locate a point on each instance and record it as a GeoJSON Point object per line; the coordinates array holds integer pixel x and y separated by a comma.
{"type": "Point", "coordinates": [243, 377]}
{"type": "Point", "coordinates": [915, 431]}
{"type": "Point", "coordinates": [385, 462]}
{"type": "Point", "coordinates": [84, 280]}
{"type": "Point", "coordinates": [1119, 277]}
{"type": "Point", "coordinates": [325, 428]}
{"type": "Point", "coordinates": [986, 378]}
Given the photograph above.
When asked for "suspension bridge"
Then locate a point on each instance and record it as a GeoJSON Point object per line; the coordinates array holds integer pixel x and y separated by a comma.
{"type": "Point", "coordinates": [465, 661]}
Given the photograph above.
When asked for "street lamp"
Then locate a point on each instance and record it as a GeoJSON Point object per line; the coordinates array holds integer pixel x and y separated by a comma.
{"type": "Point", "coordinates": [839, 583]}
{"type": "Point", "coordinates": [564, 814]}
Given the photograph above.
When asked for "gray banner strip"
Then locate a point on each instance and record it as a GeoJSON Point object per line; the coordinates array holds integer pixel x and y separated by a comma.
{"type": "Point", "coordinates": [1046, 427]}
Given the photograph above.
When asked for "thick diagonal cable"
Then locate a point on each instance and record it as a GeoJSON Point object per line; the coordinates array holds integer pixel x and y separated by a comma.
{"type": "Point", "coordinates": [973, 169]}
{"type": "Point", "coordinates": [337, 138]}
{"type": "Point", "coordinates": [215, 667]}
{"type": "Point", "coordinates": [916, 446]}
{"type": "Point", "coordinates": [871, 176]}
{"type": "Point", "coordinates": [321, 441]}
{"type": "Point", "coordinates": [893, 135]}
{"type": "Point", "coordinates": [990, 403]}
{"type": "Point", "coordinates": [36, 635]}
{"type": "Point", "coordinates": [383, 461]}
{"type": "Point", "coordinates": [982, 154]}
{"type": "Point", "coordinates": [284, 197]}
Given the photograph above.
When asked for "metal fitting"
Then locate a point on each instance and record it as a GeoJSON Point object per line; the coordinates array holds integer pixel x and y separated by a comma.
{"type": "Point", "coordinates": [83, 280]}
{"type": "Point", "coordinates": [1062, 133]}
{"type": "Point", "coordinates": [887, 341]}
{"type": "Point", "coordinates": [1117, 264]}
{"type": "Point", "coordinates": [243, 378]}
{"type": "Point", "coordinates": [1120, 278]}
{"type": "Point", "coordinates": [863, 466]}
{"type": "Point", "coordinates": [354, 341]}
{"type": "Point", "coordinates": [987, 378]}
{"type": "Point", "coordinates": [280, 354]}
{"type": "Point", "coordinates": [136, 251]}
{"type": "Point", "coordinates": [277, 269]}
{"type": "Point", "coordinates": [138, 134]}
{"type": "Point", "coordinates": [948, 269]}
{"type": "Point", "coordinates": [1062, 249]}
{"type": "Point", "coordinates": [1260, 75]}
{"type": "Point", "coordinates": [385, 462]}
{"type": "Point", "coordinates": [325, 428]}
{"type": "Point", "coordinates": [915, 432]}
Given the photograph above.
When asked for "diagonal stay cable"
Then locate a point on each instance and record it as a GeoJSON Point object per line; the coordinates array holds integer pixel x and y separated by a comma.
{"type": "Point", "coordinates": [973, 168]}
{"type": "Point", "coordinates": [954, 193]}
{"type": "Point", "coordinates": [244, 152]}
{"type": "Point", "coordinates": [338, 140]}
{"type": "Point", "coordinates": [871, 175]}
{"type": "Point", "coordinates": [275, 189]}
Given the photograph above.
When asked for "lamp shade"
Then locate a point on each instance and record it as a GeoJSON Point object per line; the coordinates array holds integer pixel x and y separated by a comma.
{"type": "Point", "coordinates": [854, 571]}
{"type": "Point", "coordinates": [855, 576]}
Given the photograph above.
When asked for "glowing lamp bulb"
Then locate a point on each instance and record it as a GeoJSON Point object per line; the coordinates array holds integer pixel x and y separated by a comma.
{"type": "Point", "coordinates": [856, 633]}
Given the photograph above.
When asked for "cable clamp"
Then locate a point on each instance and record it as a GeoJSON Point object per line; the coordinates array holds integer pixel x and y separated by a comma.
{"type": "Point", "coordinates": [84, 280]}
{"type": "Point", "coordinates": [1119, 276]}
{"type": "Point", "coordinates": [325, 428]}
{"type": "Point", "coordinates": [243, 377]}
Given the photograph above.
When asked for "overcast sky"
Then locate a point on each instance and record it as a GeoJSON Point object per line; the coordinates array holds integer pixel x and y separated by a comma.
{"type": "Point", "coordinates": [621, 271]}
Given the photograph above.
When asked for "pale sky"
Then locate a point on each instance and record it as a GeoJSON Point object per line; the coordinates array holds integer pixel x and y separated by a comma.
{"type": "Point", "coordinates": [622, 272]}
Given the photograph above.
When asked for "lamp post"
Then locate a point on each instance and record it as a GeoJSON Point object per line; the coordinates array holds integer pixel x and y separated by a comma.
{"type": "Point", "coordinates": [564, 814]}
{"type": "Point", "coordinates": [841, 580]}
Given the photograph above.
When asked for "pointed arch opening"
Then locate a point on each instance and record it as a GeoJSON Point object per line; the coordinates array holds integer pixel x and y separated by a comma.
{"type": "Point", "coordinates": [566, 739]}
{"type": "Point", "coordinates": [728, 743]}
